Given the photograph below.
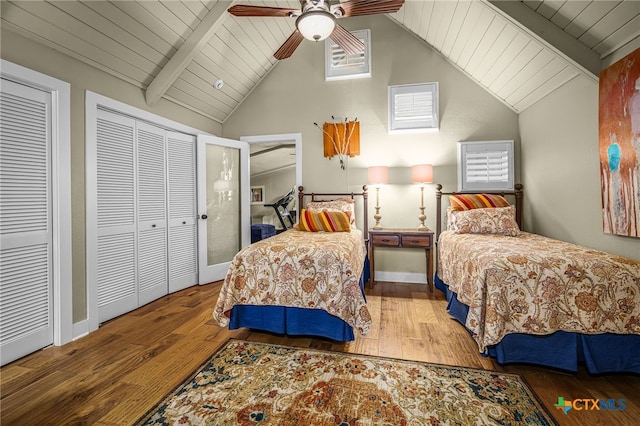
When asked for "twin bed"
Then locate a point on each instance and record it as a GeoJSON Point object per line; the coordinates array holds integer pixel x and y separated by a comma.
{"type": "Point", "coordinates": [524, 298]}
{"type": "Point", "coordinates": [530, 299]}
{"type": "Point", "coordinates": [305, 281]}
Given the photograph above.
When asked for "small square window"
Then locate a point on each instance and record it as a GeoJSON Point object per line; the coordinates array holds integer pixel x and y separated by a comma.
{"type": "Point", "coordinates": [485, 166]}
{"type": "Point", "coordinates": [339, 65]}
{"type": "Point", "coordinates": [413, 108]}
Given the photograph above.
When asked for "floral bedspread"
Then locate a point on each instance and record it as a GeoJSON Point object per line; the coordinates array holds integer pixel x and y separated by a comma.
{"type": "Point", "coordinates": [315, 270]}
{"type": "Point", "coordinates": [535, 285]}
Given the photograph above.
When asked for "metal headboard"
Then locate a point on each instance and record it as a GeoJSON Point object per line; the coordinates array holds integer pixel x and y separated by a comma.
{"type": "Point", "coordinates": [320, 196]}
{"type": "Point", "coordinates": [517, 193]}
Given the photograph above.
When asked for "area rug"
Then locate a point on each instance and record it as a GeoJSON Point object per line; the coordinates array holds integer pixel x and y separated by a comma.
{"type": "Point", "coordinates": [248, 383]}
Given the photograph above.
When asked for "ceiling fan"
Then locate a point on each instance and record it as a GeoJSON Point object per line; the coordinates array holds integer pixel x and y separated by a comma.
{"type": "Point", "coordinates": [316, 20]}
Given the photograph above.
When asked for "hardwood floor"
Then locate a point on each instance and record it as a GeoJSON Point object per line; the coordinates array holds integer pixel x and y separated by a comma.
{"type": "Point", "coordinates": [114, 375]}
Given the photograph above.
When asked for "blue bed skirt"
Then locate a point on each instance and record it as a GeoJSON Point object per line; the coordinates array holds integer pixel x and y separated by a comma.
{"type": "Point", "coordinates": [600, 353]}
{"type": "Point", "coordinates": [295, 321]}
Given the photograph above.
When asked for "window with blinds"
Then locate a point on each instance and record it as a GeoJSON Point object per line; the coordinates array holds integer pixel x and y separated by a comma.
{"type": "Point", "coordinates": [341, 66]}
{"type": "Point", "coordinates": [413, 108]}
{"type": "Point", "coordinates": [485, 166]}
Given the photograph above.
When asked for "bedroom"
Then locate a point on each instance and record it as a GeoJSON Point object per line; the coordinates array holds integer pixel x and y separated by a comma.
{"type": "Point", "coordinates": [280, 104]}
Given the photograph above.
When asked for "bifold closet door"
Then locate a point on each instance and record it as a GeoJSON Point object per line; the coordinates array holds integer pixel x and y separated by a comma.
{"type": "Point", "coordinates": [152, 212]}
{"type": "Point", "coordinates": [26, 289]}
{"type": "Point", "coordinates": [115, 252]}
{"type": "Point", "coordinates": [183, 235]}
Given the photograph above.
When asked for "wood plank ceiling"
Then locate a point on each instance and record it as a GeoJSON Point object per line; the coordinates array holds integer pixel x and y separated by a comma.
{"type": "Point", "coordinates": [518, 50]}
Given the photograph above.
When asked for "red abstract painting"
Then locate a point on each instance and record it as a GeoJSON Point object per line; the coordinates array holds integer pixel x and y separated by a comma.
{"type": "Point", "coordinates": [619, 119]}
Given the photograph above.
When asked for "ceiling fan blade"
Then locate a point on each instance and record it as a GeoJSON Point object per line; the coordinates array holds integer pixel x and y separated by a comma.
{"type": "Point", "coordinates": [347, 41]}
{"type": "Point", "coordinates": [368, 7]}
{"type": "Point", "coordinates": [289, 46]}
{"type": "Point", "coordinates": [246, 10]}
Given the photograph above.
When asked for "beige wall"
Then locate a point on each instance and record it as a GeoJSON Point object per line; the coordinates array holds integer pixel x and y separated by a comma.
{"type": "Point", "coordinates": [295, 95]}
{"type": "Point", "coordinates": [81, 77]}
{"type": "Point", "coordinates": [559, 136]}
{"type": "Point", "coordinates": [561, 170]}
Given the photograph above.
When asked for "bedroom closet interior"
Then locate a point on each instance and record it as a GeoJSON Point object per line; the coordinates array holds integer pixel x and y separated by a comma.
{"type": "Point", "coordinates": [141, 213]}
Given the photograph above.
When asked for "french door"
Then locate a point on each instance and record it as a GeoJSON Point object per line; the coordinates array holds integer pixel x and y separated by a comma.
{"type": "Point", "coordinates": [223, 204]}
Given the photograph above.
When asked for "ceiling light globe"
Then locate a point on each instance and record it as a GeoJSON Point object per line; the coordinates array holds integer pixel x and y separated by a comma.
{"type": "Point", "coordinates": [316, 25]}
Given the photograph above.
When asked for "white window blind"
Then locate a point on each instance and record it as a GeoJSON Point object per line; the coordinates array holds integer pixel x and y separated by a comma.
{"type": "Point", "coordinates": [485, 166]}
{"type": "Point", "coordinates": [339, 65]}
{"type": "Point", "coordinates": [413, 108]}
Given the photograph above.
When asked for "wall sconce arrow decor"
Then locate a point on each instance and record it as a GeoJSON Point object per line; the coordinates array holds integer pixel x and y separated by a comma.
{"type": "Point", "coordinates": [341, 138]}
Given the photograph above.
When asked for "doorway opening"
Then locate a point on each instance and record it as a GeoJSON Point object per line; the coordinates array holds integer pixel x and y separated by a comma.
{"type": "Point", "coordinates": [275, 168]}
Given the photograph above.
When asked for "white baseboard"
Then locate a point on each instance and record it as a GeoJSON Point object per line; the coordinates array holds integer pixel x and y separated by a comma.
{"type": "Point", "coordinates": [401, 277]}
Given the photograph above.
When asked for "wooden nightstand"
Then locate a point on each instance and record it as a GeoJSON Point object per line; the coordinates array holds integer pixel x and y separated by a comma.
{"type": "Point", "coordinates": [402, 238]}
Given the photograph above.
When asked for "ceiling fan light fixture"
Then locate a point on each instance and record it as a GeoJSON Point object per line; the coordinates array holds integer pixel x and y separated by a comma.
{"type": "Point", "coordinates": [316, 25]}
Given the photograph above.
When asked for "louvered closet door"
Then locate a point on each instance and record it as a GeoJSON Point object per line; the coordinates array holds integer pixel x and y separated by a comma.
{"type": "Point", "coordinates": [152, 215]}
{"type": "Point", "coordinates": [26, 292]}
{"type": "Point", "coordinates": [183, 243]}
{"type": "Point", "coordinates": [116, 262]}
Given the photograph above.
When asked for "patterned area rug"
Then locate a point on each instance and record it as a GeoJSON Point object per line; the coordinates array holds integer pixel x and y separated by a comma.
{"type": "Point", "coordinates": [247, 383]}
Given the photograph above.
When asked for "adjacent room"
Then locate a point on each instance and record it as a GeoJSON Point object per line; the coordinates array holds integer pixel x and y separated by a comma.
{"type": "Point", "coordinates": [320, 212]}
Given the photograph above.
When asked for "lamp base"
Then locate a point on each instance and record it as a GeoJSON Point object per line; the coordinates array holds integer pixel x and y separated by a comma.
{"type": "Point", "coordinates": [421, 218]}
{"type": "Point", "coordinates": [377, 217]}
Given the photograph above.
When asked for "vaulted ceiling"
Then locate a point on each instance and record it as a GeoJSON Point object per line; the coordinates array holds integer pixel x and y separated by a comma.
{"type": "Point", "coordinates": [176, 49]}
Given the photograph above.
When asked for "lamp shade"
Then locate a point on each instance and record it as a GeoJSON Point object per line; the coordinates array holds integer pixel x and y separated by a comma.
{"type": "Point", "coordinates": [316, 25]}
{"type": "Point", "coordinates": [378, 175]}
{"type": "Point", "coordinates": [422, 173]}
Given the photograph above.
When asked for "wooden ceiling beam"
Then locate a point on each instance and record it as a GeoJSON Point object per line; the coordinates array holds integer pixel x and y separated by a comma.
{"type": "Point", "coordinates": [185, 54]}
{"type": "Point", "coordinates": [549, 34]}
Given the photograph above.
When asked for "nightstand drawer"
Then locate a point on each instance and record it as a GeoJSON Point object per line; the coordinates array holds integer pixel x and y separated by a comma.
{"type": "Point", "coordinates": [402, 238]}
{"type": "Point", "coordinates": [416, 240]}
{"type": "Point", "coordinates": [386, 240]}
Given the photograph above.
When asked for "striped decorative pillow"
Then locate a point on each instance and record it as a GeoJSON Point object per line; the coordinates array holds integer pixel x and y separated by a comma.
{"type": "Point", "coordinates": [325, 220]}
{"type": "Point", "coordinates": [476, 201]}
{"type": "Point", "coordinates": [346, 205]}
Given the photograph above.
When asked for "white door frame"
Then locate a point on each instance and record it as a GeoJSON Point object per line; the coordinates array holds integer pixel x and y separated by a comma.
{"type": "Point", "coordinates": [60, 191]}
{"type": "Point", "coordinates": [281, 137]}
{"type": "Point", "coordinates": [92, 102]}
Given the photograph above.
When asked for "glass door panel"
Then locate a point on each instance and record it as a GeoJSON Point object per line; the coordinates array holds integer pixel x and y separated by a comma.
{"type": "Point", "coordinates": [223, 189]}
